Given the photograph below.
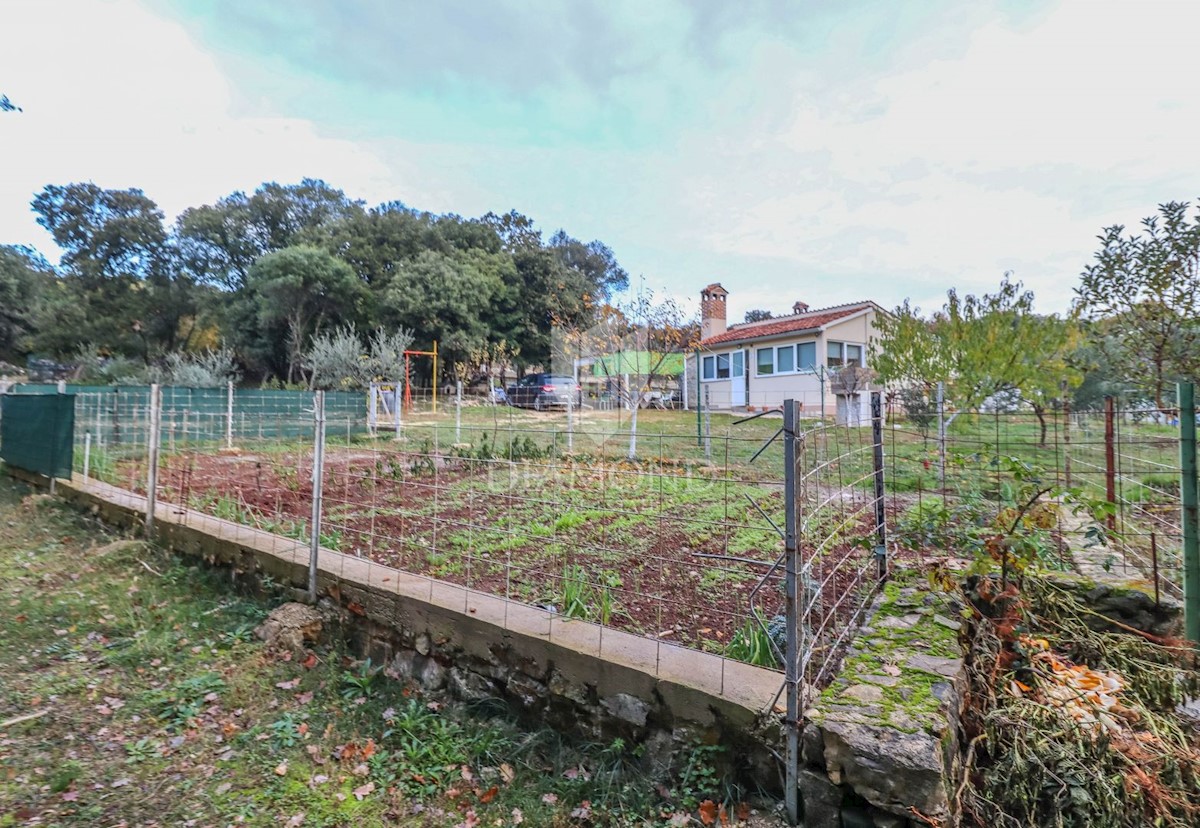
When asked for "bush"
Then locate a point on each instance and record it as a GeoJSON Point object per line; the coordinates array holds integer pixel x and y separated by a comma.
{"type": "Point", "coordinates": [337, 360]}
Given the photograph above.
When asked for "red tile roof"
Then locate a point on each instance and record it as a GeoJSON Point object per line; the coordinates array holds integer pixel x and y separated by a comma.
{"type": "Point", "coordinates": [808, 321]}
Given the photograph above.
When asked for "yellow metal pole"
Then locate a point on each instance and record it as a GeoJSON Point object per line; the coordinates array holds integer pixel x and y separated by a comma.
{"type": "Point", "coordinates": [435, 376]}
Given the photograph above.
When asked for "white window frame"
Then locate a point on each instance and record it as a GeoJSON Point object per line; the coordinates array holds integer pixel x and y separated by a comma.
{"type": "Point", "coordinates": [713, 361]}
{"type": "Point", "coordinates": [843, 347]}
{"type": "Point", "coordinates": [796, 368]}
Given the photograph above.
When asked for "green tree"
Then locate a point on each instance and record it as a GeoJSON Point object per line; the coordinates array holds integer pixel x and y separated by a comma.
{"type": "Point", "coordinates": [979, 346]}
{"type": "Point", "coordinates": [1146, 289]}
{"type": "Point", "coordinates": [23, 276]}
{"type": "Point", "coordinates": [296, 291]}
{"type": "Point", "coordinates": [220, 242]}
{"type": "Point", "coordinates": [445, 297]}
{"type": "Point", "coordinates": [120, 268]}
{"type": "Point", "coordinates": [758, 315]}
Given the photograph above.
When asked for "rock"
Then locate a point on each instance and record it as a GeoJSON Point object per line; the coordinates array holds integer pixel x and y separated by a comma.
{"type": "Point", "coordinates": [821, 799]}
{"type": "Point", "coordinates": [937, 665]}
{"type": "Point", "coordinates": [882, 681]}
{"type": "Point", "coordinates": [627, 708]}
{"type": "Point", "coordinates": [527, 692]}
{"type": "Point", "coordinates": [403, 665]}
{"type": "Point", "coordinates": [560, 686]}
{"type": "Point", "coordinates": [902, 622]}
{"type": "Point", "coordinates": [470, 687]}
{"type": "Point", "coordinates": [881, 820]}
{"type": "Point", "coordinates": [431, 675]}
{"type": "Point", "coordinates": [289, 627]}
{"type": "Point", "coordinates": [423, 644]}
{"type": "Point", "coordinates": [891, 770]}
{"type": "Point", "coordinates": [948, 623]}
{"type": "Point", "coordinates": [866, 693]}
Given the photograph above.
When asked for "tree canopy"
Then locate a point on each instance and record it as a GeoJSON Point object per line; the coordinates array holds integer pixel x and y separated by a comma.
{"type": "Point", "coordinates": [1142, 294]}
{"type": "Point", "coordinates": [265, 272]}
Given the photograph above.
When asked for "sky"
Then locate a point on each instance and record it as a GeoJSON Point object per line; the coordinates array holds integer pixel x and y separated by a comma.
{"type": "Point", "coordinates": [818, 151]}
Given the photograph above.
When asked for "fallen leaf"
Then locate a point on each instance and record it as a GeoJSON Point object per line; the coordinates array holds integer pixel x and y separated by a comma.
{"type": "Point", "coordinates": [507, 774]}
{"type": "Point", "coordinates": [549, 799]}
{"type": "Point", "coordinates": [517, 816]}
{"type": "Point", "coordinates": [288, 685]}
{"type": "Point", "coordinates": [490, 794]}
{"type": "Point", "coordinates": [708, 812]}
{"type": "Point", "coordinates": [295, 821]}
{"type": "Point", "coordinates": [467, 775]}
{"type": "Point", "coordinates": [281, 769]}
{"type": "Point", "coordinates": [309, 662]}
{"type": "Point", "coordinates": [224, 788]}
{"type": "Point", "coordinates": [363, 790]}
{"type": "Point", "coordinates": [70, 796]}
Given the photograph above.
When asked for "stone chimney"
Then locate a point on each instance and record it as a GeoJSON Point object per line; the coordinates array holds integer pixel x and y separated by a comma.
{"type": "Point", "coordinates": [712, 310]}
{"type": "Point", "coordinates": [799, 307]}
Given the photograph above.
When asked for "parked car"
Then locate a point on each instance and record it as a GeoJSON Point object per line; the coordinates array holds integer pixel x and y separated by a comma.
{"type": "Point", "coordinates": [542, 391]}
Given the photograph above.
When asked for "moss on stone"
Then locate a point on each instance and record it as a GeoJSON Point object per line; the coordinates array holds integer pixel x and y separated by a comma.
{"type": "Point", "coordinates": [909, 703]}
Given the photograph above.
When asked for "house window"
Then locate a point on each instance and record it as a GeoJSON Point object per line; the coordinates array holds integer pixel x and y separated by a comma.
{"type": "Point", "coordinates": [843, 353]}
{"type": "Point", "coordinates": [766, 361]}
{"type": "Point", "coordinates": [785, 359]}
{"type": "Point", "coordinates": [722, 366]}
{"type": "Point", "coordinates": [714, 367]}
{"type": "Point", "coordinates": [807, 356]}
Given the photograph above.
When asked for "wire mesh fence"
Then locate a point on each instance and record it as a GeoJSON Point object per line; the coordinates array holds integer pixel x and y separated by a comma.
{"type": "Point", "coordinates": [652, 531]}
{"type": "Point", "coordinates": [972, 468]}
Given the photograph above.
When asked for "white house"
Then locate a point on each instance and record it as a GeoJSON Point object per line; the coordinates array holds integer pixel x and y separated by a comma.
{"type": "Point", "coordinates": [756, 365]}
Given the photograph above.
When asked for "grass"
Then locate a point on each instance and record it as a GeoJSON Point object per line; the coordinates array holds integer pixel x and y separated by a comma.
{"type": "Point", "coordinates": [158, 707]}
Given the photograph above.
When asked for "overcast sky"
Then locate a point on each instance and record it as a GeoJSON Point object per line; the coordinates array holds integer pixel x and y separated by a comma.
{"type": "Point", "coordinates": [823, 151]}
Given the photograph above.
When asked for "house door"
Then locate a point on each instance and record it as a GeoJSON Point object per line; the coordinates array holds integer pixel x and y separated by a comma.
{"type": "Point", "coordinates": [737, 379]}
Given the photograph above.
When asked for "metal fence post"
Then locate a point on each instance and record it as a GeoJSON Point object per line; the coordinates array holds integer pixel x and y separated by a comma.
{"type": "Point", "coordinates": [152, 440]}
{"type": "Point", "coordinates": [707, 425]}
{"type": "Point", "coordinates": [318, 478]}
{"type": "Point", "coordinates": [229, 415]}
{"type": "Point", "coordinates": [1066, 438]}
{"type": "Point", "coordinates": [397, 403]}
{"type": "Point", "coordinates": [87, 453]}
{"type": "Point", "coordinates": [1110, 460]}
{"type": "Point", "coordinates": [458, 411]}
{"type": "Point", "coordinates": [880, 515]}
{"type": "Point", "coordinates": [571, 423]}
{"type": "Point", "coordinates": [792, 676]}
{"type": "Point", "coordinates": [941, 415]}
{"type": "Point", "coordinates": [372, 407]}
{"type": "Point", "coordinates": [1190, 513]}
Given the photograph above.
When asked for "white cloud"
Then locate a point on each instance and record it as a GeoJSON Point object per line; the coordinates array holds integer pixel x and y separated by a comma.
{"type": "Point", "coordinates": [115, 94]}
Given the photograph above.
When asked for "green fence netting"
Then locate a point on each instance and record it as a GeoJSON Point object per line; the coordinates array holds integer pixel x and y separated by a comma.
{"type": "Point", "coordinates": [37, 432]}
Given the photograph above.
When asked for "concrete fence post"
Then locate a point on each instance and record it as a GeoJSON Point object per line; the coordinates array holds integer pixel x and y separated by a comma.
{"type": "Point", "coordinates": [229, 415]}
{"type": "Point", "coordinates": [318, 478]}
{"type": "Point", "coordinates": [1190, 513]}
{"type": "Point", "coordinates": [152, 441]}
{"type": "Point", "coordinates": [941, 417]}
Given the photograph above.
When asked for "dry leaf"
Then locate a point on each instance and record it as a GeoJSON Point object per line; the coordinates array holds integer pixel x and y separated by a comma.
{"type": "Point", "coordinates": [362, 791]}
{"type": "Point", "coordinates": [708, 812]}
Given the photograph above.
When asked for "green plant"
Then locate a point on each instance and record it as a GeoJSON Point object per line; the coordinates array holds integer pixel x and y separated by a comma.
{"type": "Point", "coordinates": [699, 780]}
{"type": "Point", "coordinates": [177, 706]}
{"type": "Point", "coordinates": [580, 598]}
{"type": "Point", "coordinates": [360, 683]}
{"type": "Point", "coordinates": [752, 644]}
{"type": "Point", "coordinates": [140, 751]}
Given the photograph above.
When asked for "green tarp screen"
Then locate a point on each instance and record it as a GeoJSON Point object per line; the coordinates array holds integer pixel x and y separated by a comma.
{"type": "Point", "coordinates": [37, 432]}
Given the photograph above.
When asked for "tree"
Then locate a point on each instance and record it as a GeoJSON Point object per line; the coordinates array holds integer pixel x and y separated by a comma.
{"type": "Point", "coordinates": [1145, 288]}
{"type": "Point", "coordinates": [301, 289]}
{"type": "Point", "coordinates": [443, 297]}
{"type": "Point", "coordinates": [121, 268]}
{"type": "Point", "coordinates": [758, 315]}
{"type": "Point", "coordinates": [980, 347]}
{"type": "Point", "coordinates": [594, 262]}
{"type": "Point", "coordinates": [219, 242]}
{"type": "Point", "coordinates": [22, 278]}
